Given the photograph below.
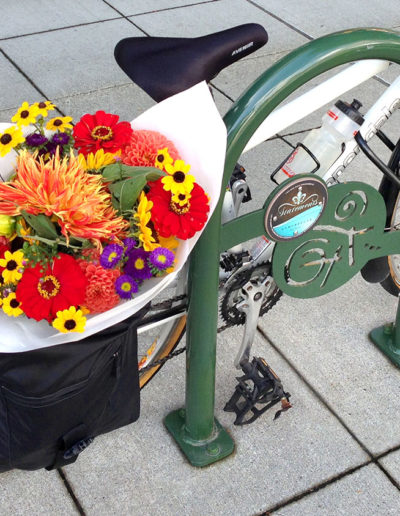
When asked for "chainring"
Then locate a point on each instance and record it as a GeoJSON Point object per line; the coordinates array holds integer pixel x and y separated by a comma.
{"type": "Point", "coordinates": [233, 295]}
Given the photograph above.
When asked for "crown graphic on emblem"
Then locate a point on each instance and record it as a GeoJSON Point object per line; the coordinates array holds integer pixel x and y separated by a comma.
{"type": "Point", "coordinates": [299, 197]}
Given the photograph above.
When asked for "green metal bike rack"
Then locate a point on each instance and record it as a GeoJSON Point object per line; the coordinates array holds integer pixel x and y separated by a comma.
{"type": "Point", "coordinates": [197, 432]}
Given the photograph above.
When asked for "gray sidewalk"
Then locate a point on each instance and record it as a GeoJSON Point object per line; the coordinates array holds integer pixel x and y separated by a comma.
{"type": "Point", "coordinates": [337, 452]}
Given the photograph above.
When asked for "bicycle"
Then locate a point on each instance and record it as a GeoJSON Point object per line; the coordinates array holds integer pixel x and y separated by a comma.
{"type": "Point", "coordinates": [253, 119]}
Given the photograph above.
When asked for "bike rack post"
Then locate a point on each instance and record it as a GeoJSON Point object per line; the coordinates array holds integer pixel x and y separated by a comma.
{"type": "Point", "coordinates": [196, 431]}
{"type": "Point", "coordinates": [199, 435]}
{"type": "Point", "coordinates": [387, 338]}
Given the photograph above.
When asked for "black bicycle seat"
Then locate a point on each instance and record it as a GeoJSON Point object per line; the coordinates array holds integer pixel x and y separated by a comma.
{"type": "Point", "coordinates": [165, 66]}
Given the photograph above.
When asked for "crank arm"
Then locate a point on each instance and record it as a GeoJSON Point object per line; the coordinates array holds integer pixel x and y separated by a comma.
{"type": "Point", "coordinates": [251, 306]}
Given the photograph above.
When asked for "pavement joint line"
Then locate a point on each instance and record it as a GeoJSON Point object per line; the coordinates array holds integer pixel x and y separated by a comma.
{"type": "Point", "coordinates": [299, 31]}
{"type": "Point", "coordinates": [71, 492]}
{"type": "Point", "coordinates": [23, 74]}
{"type": "Point", "coordinates": [125, 17]}
{"type": "Point", "coordinates": [372, 456]}
{"type": "Point", "coordinates": [62, 28]}
{"type": "Point", "coordinates": [314, 488]}
{"type": "Point", "coordinates": [173, 8]}
{"type": "Point", "coordinates": [222, 92]}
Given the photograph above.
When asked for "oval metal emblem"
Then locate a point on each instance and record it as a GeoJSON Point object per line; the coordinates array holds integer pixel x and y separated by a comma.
{"type": "Point", "coordinates": [295, 207]}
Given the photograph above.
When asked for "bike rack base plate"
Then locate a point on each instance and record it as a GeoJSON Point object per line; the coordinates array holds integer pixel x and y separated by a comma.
{"type": "Point", "coordinates": [199, 453]}
{"type": "Point", "coordinates": [384, 337]}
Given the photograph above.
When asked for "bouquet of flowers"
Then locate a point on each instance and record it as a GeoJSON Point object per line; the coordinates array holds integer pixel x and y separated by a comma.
{"type": "Point", "coordinates": [89, 213]}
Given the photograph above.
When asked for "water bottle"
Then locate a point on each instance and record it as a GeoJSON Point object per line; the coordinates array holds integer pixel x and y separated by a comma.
{"type": "Point", "coordinates": [322, 146]}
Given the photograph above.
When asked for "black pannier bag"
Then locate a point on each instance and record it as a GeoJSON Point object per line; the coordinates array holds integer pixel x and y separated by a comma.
{"type": "Point", "coordinates": [55, 400]}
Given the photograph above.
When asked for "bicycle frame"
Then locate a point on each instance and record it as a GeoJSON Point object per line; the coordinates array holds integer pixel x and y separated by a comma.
{"type": "Point", "coordinates": [195, 429]}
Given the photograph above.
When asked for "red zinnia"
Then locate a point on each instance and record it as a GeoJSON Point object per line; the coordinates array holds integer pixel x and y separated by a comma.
{"type": "Point", "coordinates": [171, 219]}
{"type": "Point", "coordinates": [101, 131]}
{"type": "Point", "coordinates": [143, 148]}
{"type": "Point", "coordinates": [100, 294]}
{"type": "Point", "coordinates": [43, 293]}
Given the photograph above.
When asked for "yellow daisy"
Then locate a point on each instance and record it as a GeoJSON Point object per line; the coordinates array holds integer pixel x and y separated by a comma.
{"type": "Point", "coordinates": [11, 306]}
{"type": "Point", "coordinates": [142, 216]}
{"type": "Point", "coordinates": [99, 160]}
{"type": "Point", "coordinates": [69, 320]}
{"type": "Point", "coordinates": [182, 198]}
{"type": "Point", "coordinates": [44, 107]}
{"type": "Point", "coordinates": [13, 267]}
{"type": "Point", "coordinates": [178, 180]}
{"type": "Point", "coordinates": [9, 139]}
{"type": "Point", "coordinates": [26, 114]}
{"type": "Point", "coordinates": [59, 123]}
{"type": "Point", "coordinates": [163, 158]}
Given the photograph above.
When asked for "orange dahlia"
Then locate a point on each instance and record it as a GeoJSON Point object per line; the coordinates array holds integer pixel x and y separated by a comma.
{"type": "Point", "coordinates": [100, 293]}
{"type": "Point", "coordinates": [62, 188]}
{"type": "Point", "coordinates": [144, 146]}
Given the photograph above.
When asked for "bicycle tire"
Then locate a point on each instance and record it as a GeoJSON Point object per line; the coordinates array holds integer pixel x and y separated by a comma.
{"type": "Point", "coordinates": [391, 195]}
{"type": "Point", "coordinates": [176, 333]}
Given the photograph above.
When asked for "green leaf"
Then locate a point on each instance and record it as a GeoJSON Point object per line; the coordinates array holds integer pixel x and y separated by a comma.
{"type": "Point", "coordinates": [142, 171]}
{"type": "Point", "coordinates": [42, 225]}
{"type": "Point", "coordinates": [112, 172]}
{"type": "Point", "coordinates": [130, 191]}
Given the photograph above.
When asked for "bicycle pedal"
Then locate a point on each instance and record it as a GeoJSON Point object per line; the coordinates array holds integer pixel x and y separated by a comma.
{"type": "Point", "coordinates": [257, 391]}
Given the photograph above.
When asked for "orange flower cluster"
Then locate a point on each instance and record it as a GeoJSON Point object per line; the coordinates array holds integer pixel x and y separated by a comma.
{"type": "Point", "coordinates": [62, 188]}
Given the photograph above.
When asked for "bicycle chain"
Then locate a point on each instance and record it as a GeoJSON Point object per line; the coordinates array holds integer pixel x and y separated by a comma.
{"type": "Point", "coordinates": [242, 279]}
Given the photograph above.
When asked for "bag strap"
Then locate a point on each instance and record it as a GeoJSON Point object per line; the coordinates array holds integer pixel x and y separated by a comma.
{"type": "Point", "coordinates": [72, 444]}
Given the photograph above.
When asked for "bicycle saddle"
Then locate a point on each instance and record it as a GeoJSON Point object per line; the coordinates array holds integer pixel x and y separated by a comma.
{"type": "Point", "coordinates": [165, 66]}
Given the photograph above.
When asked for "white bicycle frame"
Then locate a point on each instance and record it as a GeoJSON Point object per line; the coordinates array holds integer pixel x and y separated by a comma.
{"type": "Point", "coordinates": [295, 110]}
{"type": "Point", "coordinates": [305, 104]}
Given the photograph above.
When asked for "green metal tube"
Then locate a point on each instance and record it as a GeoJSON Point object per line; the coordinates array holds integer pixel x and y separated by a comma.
{"type": "Point", "coordinates": [282, 79]}
{"type": "Point", "coordinates": [201, 333]}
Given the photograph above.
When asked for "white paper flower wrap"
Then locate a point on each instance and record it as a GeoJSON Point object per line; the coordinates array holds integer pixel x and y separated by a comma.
{"type": "Point", "coordinates": [191, 120]}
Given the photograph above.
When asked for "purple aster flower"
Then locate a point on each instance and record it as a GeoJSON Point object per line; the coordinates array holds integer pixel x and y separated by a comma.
{"type": "Point", "coordinates": [137, 265]}
{"type": "Point", "coordinates": [160, 259]}
{"type": "Point", "coordinates": [36, 139]}
{"type": "Point", "coordinates": [126, 286]}
{"type": "Point", "coordinates": [60, 138]}
{"type": "Point", "coordinates": [111, 255]}
{"type": "Point", "coordinates": [129, 244]}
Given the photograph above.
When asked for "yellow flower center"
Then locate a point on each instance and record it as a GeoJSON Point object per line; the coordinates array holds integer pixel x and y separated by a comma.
{"type": "Point", "coordinates": [111, 256]}
{"type": "Point", "coordinates": [11, 265]}
{"type": "Point", "coordinates": [69, 324]}
{"type": "Point", "coordinates": [5, 139]}
{"type": "Point", "coordinates": [180, 210]}
{"type": "Point", "coordinates": [179, 176]}
{"type": "Point", "coordinates": [48, 287]}
{"type": "Point", "coordinates": [162, 258]}
{"type": "Point", "coordinates": [101, 132]}
{"type": "Point", "coordinates": [139, 264]}
{"type": "Point", "coordinates": [126, 287]}
{"type": "Point", "coordinates": [14, 303]}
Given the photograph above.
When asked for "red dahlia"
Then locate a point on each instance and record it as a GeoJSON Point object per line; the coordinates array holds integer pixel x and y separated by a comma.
{"type": "Point", "coordinates": [101, 131]}
{"type": "Point", "coordinates": [100, 294]}
{"type": "Point", "coordinates": [43, 293]}
{"type": "Point", "coordinates": [170, 218]}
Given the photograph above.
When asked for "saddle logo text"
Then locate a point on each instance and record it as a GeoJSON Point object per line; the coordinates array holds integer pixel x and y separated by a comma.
{"type": "Point", "coordinates": [243, 48]}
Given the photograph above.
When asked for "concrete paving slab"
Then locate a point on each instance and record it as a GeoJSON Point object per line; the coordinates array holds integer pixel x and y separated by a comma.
{"type": "Point", "coordinates": [367, 491]}
{"type": "Point", "coordinates": [318, 18]}
{"type": "Point", "coordinates": [82, 58]}
{"type": "Point", "coordinates": [326, 338]}
{"type": "Point", "coordinates": [14, 87]}
{"type": "Point", "coordinates": [128, 101]}
{"type": "Point", "coordinates": [201, 19]}
{"type": "Point", "coordinates": [392, 464]}
{"type": "Point", "coordinates": [274, 460]}
{"type": "Point", "coordinates": [129, 8]}
{"type": "Point", "coordinates": [25, 17]}
{"type": "Point", "coordinates": [34, 492]}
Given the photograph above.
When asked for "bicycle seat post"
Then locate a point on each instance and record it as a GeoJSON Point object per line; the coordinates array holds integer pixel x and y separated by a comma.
{"type": "Point", "coordinates": [199, 435]}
